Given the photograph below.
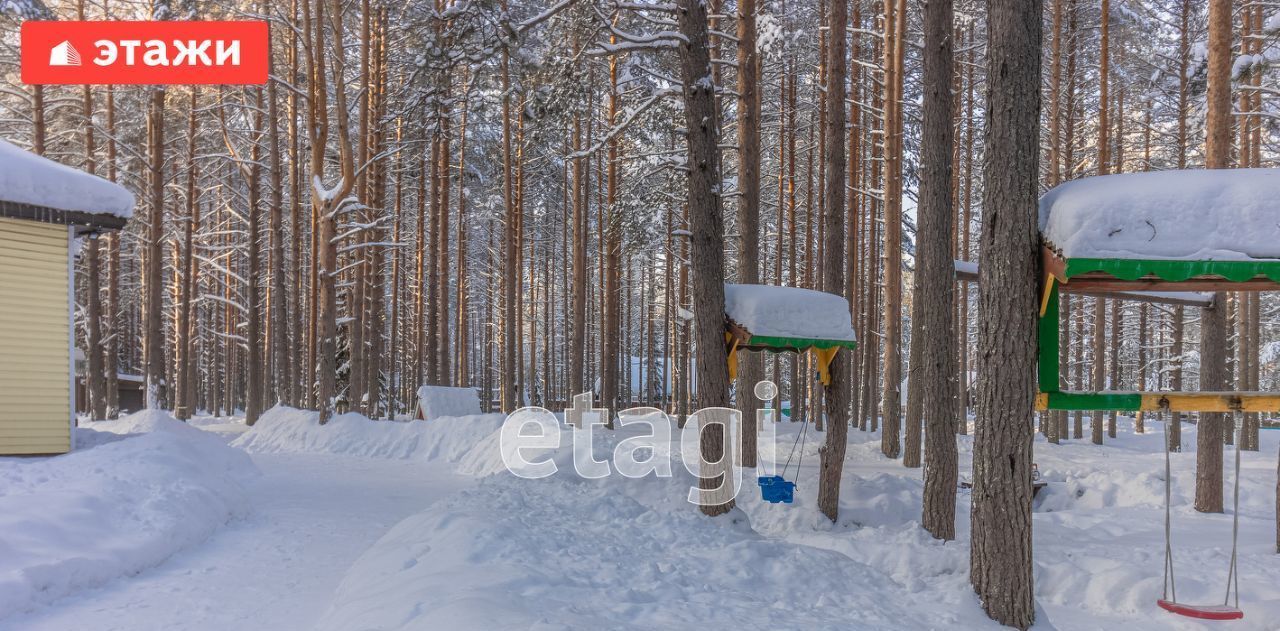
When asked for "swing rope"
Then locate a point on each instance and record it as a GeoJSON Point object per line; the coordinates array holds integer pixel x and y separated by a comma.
{"type": "Point", "coordinates": [804, 431]}
{"type": "Point", "coordinates": [1169, 585]}
{"type": "Point", "coordinates": [1233, 574]}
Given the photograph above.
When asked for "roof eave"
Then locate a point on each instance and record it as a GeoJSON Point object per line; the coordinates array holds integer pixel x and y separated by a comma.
{"type": "Point", "coordinates": [85, 222]}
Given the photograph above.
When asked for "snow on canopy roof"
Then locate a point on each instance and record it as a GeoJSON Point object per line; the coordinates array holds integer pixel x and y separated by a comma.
{"type": "Point", "coordinates": [772, 311]}
{"type": "Point", "coordinates": [26, 178]}
{"type": "Point", "coordinates": [1200, 215]}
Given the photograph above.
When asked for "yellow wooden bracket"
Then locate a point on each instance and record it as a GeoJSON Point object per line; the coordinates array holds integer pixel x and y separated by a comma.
{"type": "Point", "coordinates": [1042, 401]}
{"type": "Point", "coordinates": [824, 357]}
{"type": "Point", "coordinates": [732, 343]}
{"type": "Point", "coordinates": [1045, 293]}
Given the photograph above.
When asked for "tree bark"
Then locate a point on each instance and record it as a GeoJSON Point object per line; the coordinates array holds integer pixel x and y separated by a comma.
{"type": "Point", "coordinates": [1000, 566]}
{"type": "Point", "coordinates": [933, 311]}
{"type": "Point", "coordinates": [154, 298]}
{"type": "Point", "coordinates": [891, 408]}
{"type": "Point", "coordinates": [706, 223]}
{"type": "Point", "coordinates": [1213, 334]}
{"type": "Point", "coordinates": [832, 452]}
{"type": "Point", "coordinates": [750, 365]}
{"type": "Point", "coordinates": [183, 404]}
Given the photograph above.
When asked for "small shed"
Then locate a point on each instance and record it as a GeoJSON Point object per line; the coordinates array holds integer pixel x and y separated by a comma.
{"type": "Point", "coordinates": [44, 206]}
{"type": "Point", "coordinates": [786, 319]}
{"type": "Point", "coordinates": [438, 401]}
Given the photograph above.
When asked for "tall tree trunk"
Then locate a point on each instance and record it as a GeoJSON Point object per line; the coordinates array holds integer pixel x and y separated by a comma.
{"type": "Point", "coordinates": [890, 443]}
{"type": "Point", "coordinates": [183, 405]}
{"type": "Point", "coordinates": [511, 258]}
{"type": "Point", "coordinates": [95, 380]}
{"type": "Point", "coordinates": [750, 365]}
{"type": "Point", "coordinates": [253, 308]}
{"type": "Point", "coordinates": [578, 308]}
{"type": "Point", "coordinates": [281, 377]}
{"type": "Point", "coordinates": [1000, 551]}
{"type": "Point", "coordinates": [933, 310]}
{"type": "Point", "coordinates": [113, 331]}
{"type": "Point", "coordinates": [832, 452]}
{"type": "Point", "coordinates": [706, 223]}
{"type": "Point", "coordinates": [1213, 333]}
{"type": "Point", "coordinates": [154, 298]}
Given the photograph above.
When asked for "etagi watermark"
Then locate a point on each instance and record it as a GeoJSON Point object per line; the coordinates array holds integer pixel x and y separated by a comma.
{"type": "Point", "coordinates": [531, 438]}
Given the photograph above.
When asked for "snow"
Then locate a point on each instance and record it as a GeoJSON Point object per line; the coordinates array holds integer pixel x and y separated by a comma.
{"type": "Point", "coordinates": [287, 430]}
{"type": "Point", "coordinates": [26, 178]}
{"type": "Point", "coordinates": [364, 524]}
{"type": "Point", "coordinates": [568, 553]}
{"type": "Point", "coordinates": [135, 492]}
{"type": "Point", "coordinates": [774, 311]}
{"type": "Point", "coordinates": [1225, 215]}
{"type": "Point", "coordinates": [435, 402]}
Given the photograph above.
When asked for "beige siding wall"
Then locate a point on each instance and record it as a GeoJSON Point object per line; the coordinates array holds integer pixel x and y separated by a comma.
{"type": "Point", "coordinates": [35, 407]}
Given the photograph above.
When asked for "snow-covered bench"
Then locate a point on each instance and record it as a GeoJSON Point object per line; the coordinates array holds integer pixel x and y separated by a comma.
{"type": "Point", "coordinates": [439, 401]}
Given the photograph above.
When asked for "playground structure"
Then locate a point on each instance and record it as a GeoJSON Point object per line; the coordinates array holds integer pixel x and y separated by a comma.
{"type": "Point", "coordinates": [786, 319]}
{"type": "Point", "coordinates": [1205, 231]}
{"type": "Point", "coordinates": [779, 320]}
{"type": "Point", "coordinates": [1120, 278]}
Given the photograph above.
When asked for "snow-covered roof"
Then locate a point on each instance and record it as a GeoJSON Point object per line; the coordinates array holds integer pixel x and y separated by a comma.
{"type": "Point", "coordinates": [1206, 215]}
{"type": "Point", "coordinates": [772, 311]}
{"type": "Point", "coordinates": [26, 178]}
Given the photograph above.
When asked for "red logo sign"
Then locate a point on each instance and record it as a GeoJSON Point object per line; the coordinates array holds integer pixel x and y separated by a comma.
{"type": "Point", "coordinates": [155, 53]}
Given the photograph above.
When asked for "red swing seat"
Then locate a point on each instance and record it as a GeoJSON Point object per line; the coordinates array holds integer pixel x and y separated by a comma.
{"type": "Point", "coordinates": [1203, 612]}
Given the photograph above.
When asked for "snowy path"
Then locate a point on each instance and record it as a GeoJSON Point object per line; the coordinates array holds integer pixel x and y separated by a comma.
{"type": "Point", "coordinates": [313, 515]}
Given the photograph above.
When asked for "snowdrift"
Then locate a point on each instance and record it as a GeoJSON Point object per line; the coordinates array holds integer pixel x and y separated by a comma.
{"type": "Point", "coordinates": [288, 430]}
{"type": "Point", "coordinates": [615, 553]}
{"type": "Point", "coordinates": [134, 492]}
{"type": "Point", "coordinates": [566, 553]}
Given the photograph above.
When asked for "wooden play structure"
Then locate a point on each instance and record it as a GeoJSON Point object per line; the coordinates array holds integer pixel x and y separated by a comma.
{"type": "Point", "coordinates": [1205, 231]}
{"type": "Point", "coordinates": [821, 325]}
{"type": "Point", "coordinates": [1115, 277]}
{"type": "Point", "coordinates": [779, 320]}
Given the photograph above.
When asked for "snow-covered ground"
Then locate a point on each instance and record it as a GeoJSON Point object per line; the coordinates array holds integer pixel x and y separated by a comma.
{"type": "Point", "coordinates": [137, 491]}
{"type": "Point", "coordinates": [382, 525]}
{"type": "Point", "coordinates": [567, 553]}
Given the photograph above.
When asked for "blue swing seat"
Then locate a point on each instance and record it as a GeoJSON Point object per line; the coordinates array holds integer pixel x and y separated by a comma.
{"type": "Point", "coordinates": [774, 489]}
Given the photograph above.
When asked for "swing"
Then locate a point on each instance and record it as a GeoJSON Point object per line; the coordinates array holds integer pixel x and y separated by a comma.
{"type": "Point", "coordinates": [776, 489]}
{"type": "Point", "coordinates": [1169, 599]}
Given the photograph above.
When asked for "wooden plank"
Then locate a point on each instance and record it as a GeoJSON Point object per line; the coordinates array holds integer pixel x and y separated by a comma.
{"type": "Point", "coordinates": [1160, 298]}
{"type": "Point", "coordinates": [1211, 401]}
{"type": "Point", "coordinates": [1160, 401]}
{"type": "Point", "coordinates": [47, 449]}
{"type": "Point", "coordinates": [51, 424]}
{"type": "Point", "coordinates": [1105, 283]}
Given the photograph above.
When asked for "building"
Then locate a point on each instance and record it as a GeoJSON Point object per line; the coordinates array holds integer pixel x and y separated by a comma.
{"type": "Point", "coordinates": [44, 208]}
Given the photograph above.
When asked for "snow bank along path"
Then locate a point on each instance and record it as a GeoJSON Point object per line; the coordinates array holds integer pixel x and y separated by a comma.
{"type": "Point", "coordinates": [147, 487]}
{"type": "Point", "coordinates": [303, 522]}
